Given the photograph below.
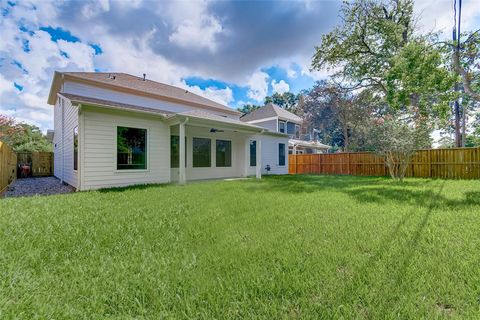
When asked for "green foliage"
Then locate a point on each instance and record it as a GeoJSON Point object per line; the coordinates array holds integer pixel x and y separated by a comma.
{"type": "Point", "coordinates": [418, 80]}
{"type": "Point", "coordinates": [376, 47]}
{"type": "Point", "coordinates": [363, 45]}
{"type": "Point", "coordinates": [310, 247]}
{"type": "Point", "coordinates": [472, 140]}
{"type": "Point", "coordinates": [342, 116]}
{"type": "Point", "coordinates": [397, 140]}
{"type": "Point", "coordinates": [286, 100]}
{"type": "Point", "coordinates": [247, 108]}
{"type": "Point", "coordinates": [23, 137]}
{"type": "Point", "coordinates": [466, 62]}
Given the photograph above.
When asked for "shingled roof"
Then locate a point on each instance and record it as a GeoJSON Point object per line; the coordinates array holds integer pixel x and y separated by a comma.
{"type": "Point", "coordinates": [268, 111]}
{"type": "Point", "coordinates": [127, 82]}
{"type": "Point", "coordinates": [114, 105]}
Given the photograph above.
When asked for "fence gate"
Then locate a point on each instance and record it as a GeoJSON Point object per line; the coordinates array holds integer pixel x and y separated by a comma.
{"type": "Point", "coordinates": [35, 164]}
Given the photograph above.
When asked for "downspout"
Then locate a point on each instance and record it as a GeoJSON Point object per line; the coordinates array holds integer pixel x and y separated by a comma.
{"type": "Point", "coordinates": [63, 132]}
{"type": "Point", "coordinates": [63, 138]}
{"type": "Point", "coordinates": [182, 178]}
{"type": "Point", "coordinates": [258, 169]}
{"type": "Point", "coordinates": [79, 147]}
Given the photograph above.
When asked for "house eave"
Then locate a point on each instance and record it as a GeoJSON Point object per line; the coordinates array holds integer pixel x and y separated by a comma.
{"type": "Point", "coordinates": [60, 77]}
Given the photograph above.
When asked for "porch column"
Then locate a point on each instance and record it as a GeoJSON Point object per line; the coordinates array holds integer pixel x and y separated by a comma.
{"type": "Point", "coordinates": [247, 157]}
{"type": "Point", "coordinates": [181, 162]}
{"type": "Point", "coordinates": [258, 168]}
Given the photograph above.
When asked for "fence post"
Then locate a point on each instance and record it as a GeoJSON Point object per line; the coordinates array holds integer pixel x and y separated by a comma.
{"type": "Point", "coordinates": [348, 163]}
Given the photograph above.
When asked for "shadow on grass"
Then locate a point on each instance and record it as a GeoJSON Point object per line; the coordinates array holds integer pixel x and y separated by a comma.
{"type": "Point", "coordinates": [401, 262]}
{"type": "Point", "coordinates": [134, 187]}
{"type": "Point", "coordinates": [419, 193]}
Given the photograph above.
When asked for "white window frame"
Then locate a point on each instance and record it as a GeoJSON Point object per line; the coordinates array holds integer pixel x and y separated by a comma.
{"type": "Point", "coordinates": [284, 126]}
{"type": "Point", "coordinates": [147, 164]}
{"type": "Point", "coordinates": [285, 155]}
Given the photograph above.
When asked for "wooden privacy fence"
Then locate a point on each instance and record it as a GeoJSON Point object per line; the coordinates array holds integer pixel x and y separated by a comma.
{"type": "Point", "coordinates": [8, 166]}
{"type": "Point", "coordinates": [41, 163]}
{"type": "Point", "coordinates": [458, 163]}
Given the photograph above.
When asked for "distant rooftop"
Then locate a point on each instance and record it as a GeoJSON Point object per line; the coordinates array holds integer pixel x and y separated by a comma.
{"type": "Point", "coordinates": [268, 111]}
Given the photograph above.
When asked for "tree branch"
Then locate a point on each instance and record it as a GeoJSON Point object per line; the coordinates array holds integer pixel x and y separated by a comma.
{"type": "Point", "coordinates": [464, 76]}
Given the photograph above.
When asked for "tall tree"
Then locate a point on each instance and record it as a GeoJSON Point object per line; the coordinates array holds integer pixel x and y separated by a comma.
{"type": "Point", "coordinates": [376, 47]}
{"type": "Point", "coordinates": [361, 48]}
{"type": "Point", "coordinates": [286, 100]}
{"type": "Point", "coordinates": [23, 137]}
{"type": "Point", "coordinates": [247, 108]}
{"type": "Point", "coordinates": [340, 115]}
{"type": "Point", "coordinates": [465, 51]}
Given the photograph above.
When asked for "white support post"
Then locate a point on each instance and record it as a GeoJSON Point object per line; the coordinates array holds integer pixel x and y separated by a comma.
{"type": "Point", "coordinates": [181, 153]}
{"type": "Point", "coordinates": [247, 157]}
{"type": "Point", "coordinates": [259, 160]}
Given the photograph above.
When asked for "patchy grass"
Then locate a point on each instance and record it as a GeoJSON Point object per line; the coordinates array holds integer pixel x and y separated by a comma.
{"type": "Point", "coordinates": [283, 247]}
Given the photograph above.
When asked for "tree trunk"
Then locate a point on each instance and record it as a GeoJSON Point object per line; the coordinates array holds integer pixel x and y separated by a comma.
{"type": "Point", "coordinates": [464, 125]}
{"type": "Point", "coordinates": [464, 76]}
{"type": "Point", "coordinates": [458, 137]}
{"type": "Point", "coordinates": [346, 140]}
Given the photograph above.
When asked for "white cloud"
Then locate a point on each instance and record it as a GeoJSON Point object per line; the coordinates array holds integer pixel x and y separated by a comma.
{"type": "Point", "coordinates": [438, 15]}
{"type": "Point", "coordinates": [197, 34]}
{"type": "Point", "coordinates": [95, 8]}
{"type": "Point", "coordinates": [5, 86]}
{"type": "Point", "coordinates": [134, 56]}
{"type": "Point", "coordinates": [280, 87]}
{"type": "Point", "coordinates": [80, 53]}
{"type": "Point", "coordinates": [291, 73]}
{"type": "Point", "coordinates": [258, 86]}
{"type": "Point", "coordinates": [30, 59]}
{"type": "Point", "coordinates": [222, 96]}
{"type": "Point", "coordinates": [194, 27]}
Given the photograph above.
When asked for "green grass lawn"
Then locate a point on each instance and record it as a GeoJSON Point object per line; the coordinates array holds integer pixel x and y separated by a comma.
{"type": "Point", "coordinates": [282, 247]}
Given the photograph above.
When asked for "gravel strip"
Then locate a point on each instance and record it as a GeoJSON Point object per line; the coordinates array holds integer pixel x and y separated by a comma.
{"type": "Point", "coordinates": [37, 186]}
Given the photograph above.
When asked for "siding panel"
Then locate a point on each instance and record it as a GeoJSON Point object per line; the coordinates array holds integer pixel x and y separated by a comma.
{"type": "Point", "coordinates": [100, 149]}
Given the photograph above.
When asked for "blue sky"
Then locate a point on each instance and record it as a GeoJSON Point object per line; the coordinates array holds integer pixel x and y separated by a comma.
{"type": "Point", "coordinates": [233, 52]}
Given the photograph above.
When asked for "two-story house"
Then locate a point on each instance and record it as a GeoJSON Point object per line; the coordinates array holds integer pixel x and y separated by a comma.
{"type": "Point", "coordinates": [302, 139]}
{"type": "Point", "coordinates": [115, 129]}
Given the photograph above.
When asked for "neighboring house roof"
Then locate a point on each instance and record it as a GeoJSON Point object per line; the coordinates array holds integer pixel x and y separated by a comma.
{"type": "Point", "coordinates": [268, 111]}
{"type": "Point", "coordinates": [136, 85]}
{"type": "Point", "coordinates": [308, 144]}
{"type": "Point", "coordinates": [50, 134]}
{"type": "Point", "coordinates": [113, 105]}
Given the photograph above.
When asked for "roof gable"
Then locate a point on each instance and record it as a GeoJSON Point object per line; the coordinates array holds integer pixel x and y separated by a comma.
{"type": "Point", "coordinates": [136, 85]}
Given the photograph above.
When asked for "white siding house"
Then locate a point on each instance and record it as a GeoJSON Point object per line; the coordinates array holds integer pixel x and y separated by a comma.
{"type": "Point", "coordinates": [114, 130]}
{"type": "Point", "coordinates": [276, 119]}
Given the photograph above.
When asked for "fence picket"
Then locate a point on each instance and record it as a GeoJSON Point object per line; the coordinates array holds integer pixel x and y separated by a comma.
{"type": "Point", "coordinates": [457, 163]}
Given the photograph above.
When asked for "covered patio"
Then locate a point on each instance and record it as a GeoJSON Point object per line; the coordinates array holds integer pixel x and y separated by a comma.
{"type": "Point", "coordinates": [304, 147]}
{"type": "Point", "coordinates": [208, 146]}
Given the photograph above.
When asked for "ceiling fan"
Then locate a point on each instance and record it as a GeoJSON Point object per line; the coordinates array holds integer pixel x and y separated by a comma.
{"type": "Point", "coordinates": [213, 130]}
